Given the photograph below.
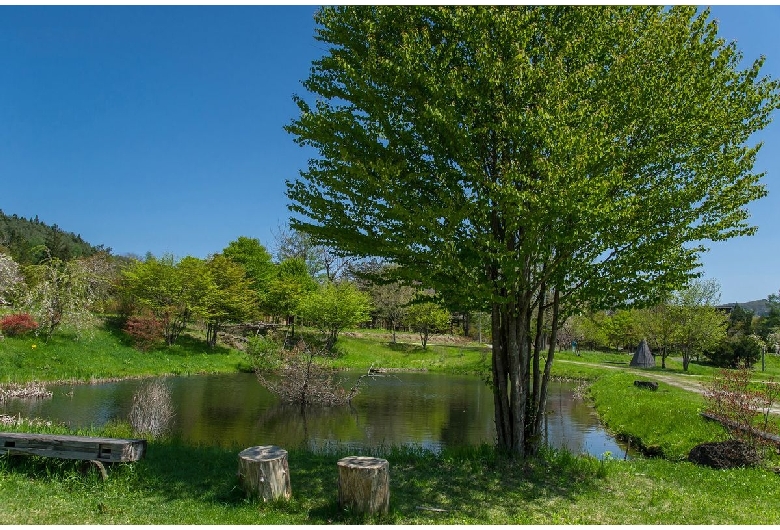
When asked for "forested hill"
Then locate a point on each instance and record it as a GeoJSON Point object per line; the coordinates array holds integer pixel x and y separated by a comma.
{"type": "Point", "coordinates": [759, 307]}
{"type": "Point", "coordinates": [27, 240]}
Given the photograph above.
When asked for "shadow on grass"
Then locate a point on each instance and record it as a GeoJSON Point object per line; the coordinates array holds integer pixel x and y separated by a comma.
{"type": "Point", "coordinates": [474, 483]}
{"type": "Point", "coordinates": [466, 483]}
{"type": "Point", "coordinates": [186, 344]}
{"type": "Point", "coordinates": [405, 347]}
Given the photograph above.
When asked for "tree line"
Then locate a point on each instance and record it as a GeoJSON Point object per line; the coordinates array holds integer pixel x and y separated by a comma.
{"type": "Point", "coordinates": [31, 241]}
{"type": "Point", "coordinates": [157, 298]}
{"type": "Point", "coordinates": [686, 324]}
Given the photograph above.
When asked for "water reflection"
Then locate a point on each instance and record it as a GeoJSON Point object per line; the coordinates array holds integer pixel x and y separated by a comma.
{"type": "Point", "coordinates": [426, 410]}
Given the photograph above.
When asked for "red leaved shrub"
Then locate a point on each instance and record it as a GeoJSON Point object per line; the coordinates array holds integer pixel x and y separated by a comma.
{"type": "Point", "coordinates": [18, 324]}
{"type": "Point", "coordinates": [145, 331]}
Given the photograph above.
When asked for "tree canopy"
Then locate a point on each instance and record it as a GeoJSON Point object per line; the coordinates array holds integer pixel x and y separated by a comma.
{"type": "Point", "coordinates": [255, 259]}
{"type": "Point", "coordinates": [333, 307]}
{"type": "Point", "coordinates": [529, 157]}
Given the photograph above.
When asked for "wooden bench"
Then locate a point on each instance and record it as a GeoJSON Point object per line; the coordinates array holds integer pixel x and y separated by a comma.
{"type": "Point", "coordinates": [87, 448]}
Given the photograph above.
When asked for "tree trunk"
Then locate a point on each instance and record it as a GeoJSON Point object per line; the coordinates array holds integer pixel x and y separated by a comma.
{"type": "Point", "coordinates": [364, 484]}
{"type": "Point", "coordinates": [510, 360]}
{"type": "Point", "coordinates": [263, 472]}
{"type": "Point", "coordinates": [663, 357]}
{"type": "Point", "coordinates": [535, 437]}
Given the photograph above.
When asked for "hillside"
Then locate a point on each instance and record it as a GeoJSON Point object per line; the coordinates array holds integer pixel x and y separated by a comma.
{"type": "Point", "coordinates": [27, 240]}
{"type": "Point", "coordinates": [758, 307]}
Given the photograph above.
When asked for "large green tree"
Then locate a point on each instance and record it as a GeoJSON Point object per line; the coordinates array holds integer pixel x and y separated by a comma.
{"type": "Point", "coordinates": [286, 290]}
{"type": "Point", "coordinates": [426, 318]}
{"type": "Point", "coordinates": [697, 326]}
{"type": "Point", "coordinates": [229, 297]}
{"type": "Point", "coordinates": [256, 260]}
{"type": "Point", "coordinates": [529, 157]}
{"type": "Point", "coordinates": [390, 301]}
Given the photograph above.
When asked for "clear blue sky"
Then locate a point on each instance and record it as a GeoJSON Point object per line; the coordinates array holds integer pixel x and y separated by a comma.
{"type": "Point", "coordinates": [159, 129]}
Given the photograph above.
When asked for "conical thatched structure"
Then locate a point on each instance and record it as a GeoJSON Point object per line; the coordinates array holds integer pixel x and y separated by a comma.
{"type": "Point", "coordinates": [643, 358]}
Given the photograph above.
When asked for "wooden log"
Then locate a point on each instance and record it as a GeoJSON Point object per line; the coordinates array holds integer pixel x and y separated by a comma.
{"type": "Point", "coordinates": [752, 430]}
{"type": "Point", "coordinates": [263, 472]}
{"type": "Point", "coordinates": [364, 484]}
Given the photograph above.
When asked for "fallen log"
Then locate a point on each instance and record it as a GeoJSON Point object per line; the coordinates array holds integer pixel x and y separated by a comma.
{"type": "Point", "coordinates": [752, 430]}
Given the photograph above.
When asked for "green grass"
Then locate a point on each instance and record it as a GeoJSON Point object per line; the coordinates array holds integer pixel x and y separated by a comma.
{"type": "Point", "coordinates": [181, 484]}
{"type": "Point", "coordinates": [106, 355]}
{"type": "Point", "coordinates": [673, 364]}
{"type": "Point", "coordinates": [666, 422]}
{"type": "Point", "coordinates": [361, 353]}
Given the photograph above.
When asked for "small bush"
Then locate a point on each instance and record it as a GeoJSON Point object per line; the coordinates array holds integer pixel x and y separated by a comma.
{"type": "Point", "coordinates": [152, 411]}
{"type": "Point", "coordinates": [742, 407]}
{"type": "Point", "coordinates": [306, 382]}
{"type": "Point", "coordinates": [265, 353]}
{"type": "Point", "coordinates": [145, 331]}
{"type": "Point", "coordinates": [18, 324]}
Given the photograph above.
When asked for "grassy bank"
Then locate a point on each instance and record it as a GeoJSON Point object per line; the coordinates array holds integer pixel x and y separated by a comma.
{"type": "Point", "coordinates": [106, 355]}
{"type": "Point", "coordinates": [360, 353]}
{"type": "Point", "coordinates": [665, 422]}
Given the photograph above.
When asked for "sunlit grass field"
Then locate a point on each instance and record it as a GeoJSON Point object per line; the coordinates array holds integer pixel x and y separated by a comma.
{"type": "Point", "coordinates": [104, 354]}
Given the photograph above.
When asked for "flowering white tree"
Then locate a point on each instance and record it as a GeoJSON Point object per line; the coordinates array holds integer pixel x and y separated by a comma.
{"type": "Point", "coordinates": [10, 279]}
{"type": "Point", "coordinates": [64, 293]}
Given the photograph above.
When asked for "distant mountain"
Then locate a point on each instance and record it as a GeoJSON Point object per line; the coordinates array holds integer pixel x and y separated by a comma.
{"type": "Point", "coordinates": [27, 240]}
{"type": "Point", "coordinates": [759, 307]}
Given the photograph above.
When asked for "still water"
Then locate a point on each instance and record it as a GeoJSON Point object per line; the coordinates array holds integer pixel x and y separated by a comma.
{"type": "Point", "coordinates": [428, 410]}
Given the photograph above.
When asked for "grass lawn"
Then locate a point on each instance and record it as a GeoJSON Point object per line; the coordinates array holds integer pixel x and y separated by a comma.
{"type": "Point", "coordinates": [360, 353]}
{"type": "Point", "coordinates": [180, 484]}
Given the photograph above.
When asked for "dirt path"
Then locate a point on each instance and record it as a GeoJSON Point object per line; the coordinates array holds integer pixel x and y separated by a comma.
{"type": "Point", "coordinates": [691, 383]}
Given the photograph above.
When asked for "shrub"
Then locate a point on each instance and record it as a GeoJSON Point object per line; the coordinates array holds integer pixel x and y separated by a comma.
{"type": "Point", "coordinates": [265, 353]}
{"type": "Point", "coordinates": [743, 407]}
{"type": "Point", "coordinates": [152, 411]}
{"type": "Point", "coordinates": [18, 324]}
{"type": "Point", "coordinates": [304, 381]}
{"type": "Point", "coordinates": [145, 331]}
{"type": "Point", "coordinates": [735, 352]}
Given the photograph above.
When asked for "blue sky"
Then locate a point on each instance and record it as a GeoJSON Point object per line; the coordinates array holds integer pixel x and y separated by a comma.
{"type": "Point", "coordinates": [150, 128]}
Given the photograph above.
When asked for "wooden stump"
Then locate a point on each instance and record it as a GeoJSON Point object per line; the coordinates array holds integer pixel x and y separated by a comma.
{"type": "Point", "coordinates": [263, 472]}
{"type": "Point", "coordinates": [364, 484]}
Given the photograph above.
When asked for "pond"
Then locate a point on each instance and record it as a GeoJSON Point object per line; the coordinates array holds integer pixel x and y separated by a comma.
{"type": "Point", "coordinates": [420, 409]}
